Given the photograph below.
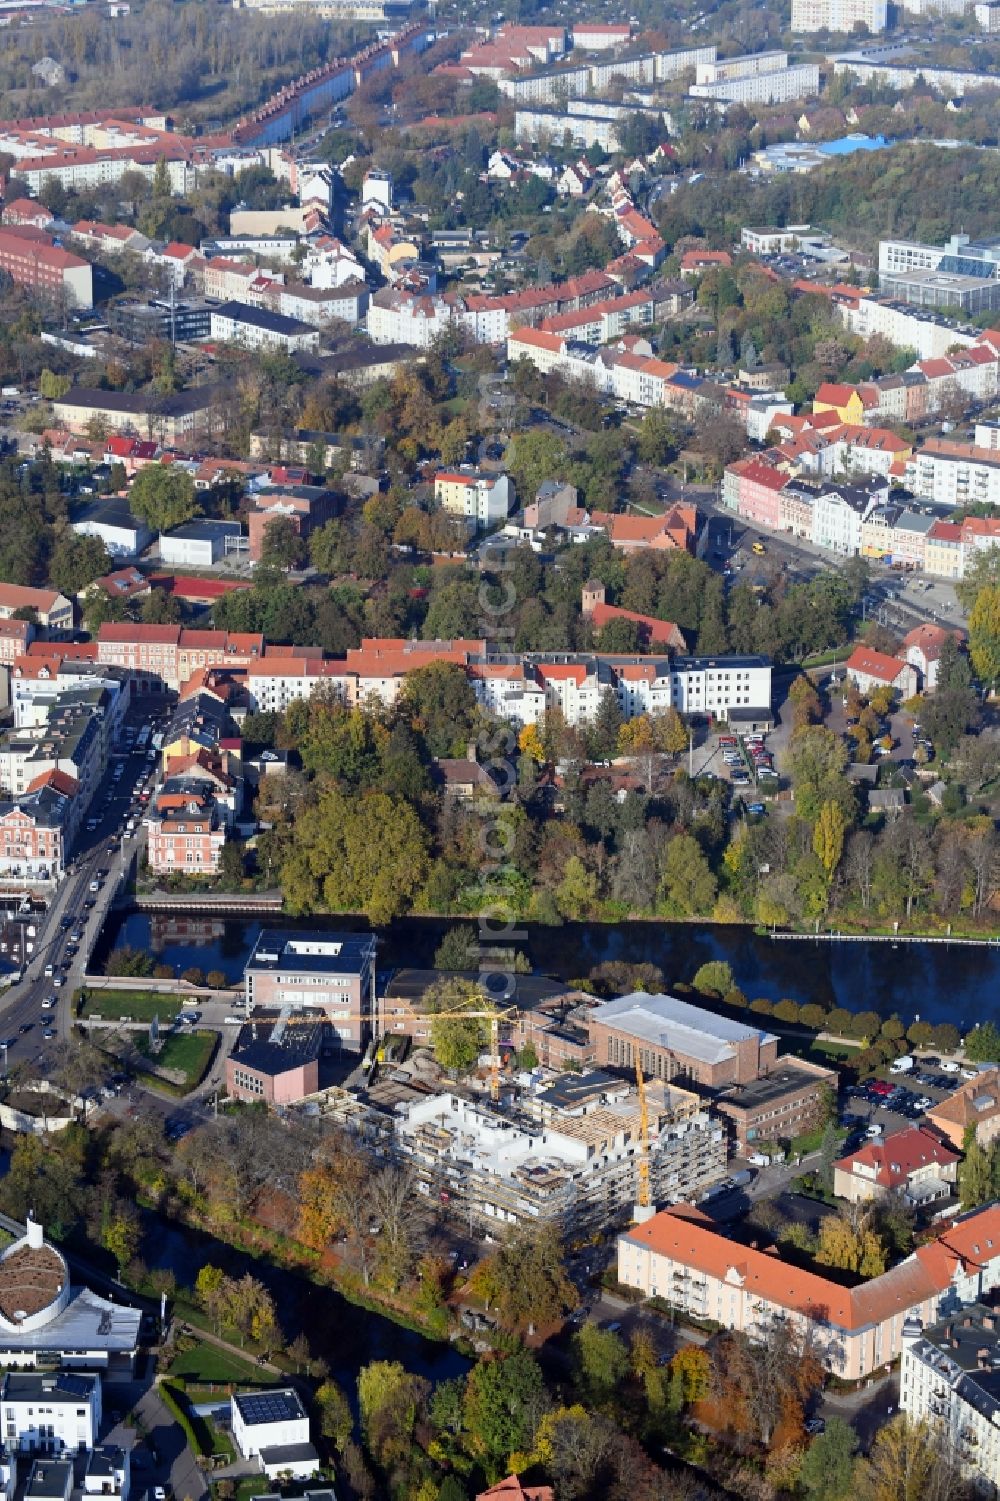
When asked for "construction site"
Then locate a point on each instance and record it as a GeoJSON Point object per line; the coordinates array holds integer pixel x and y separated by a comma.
{"type": "Point", "coordinates": [580, 1150]}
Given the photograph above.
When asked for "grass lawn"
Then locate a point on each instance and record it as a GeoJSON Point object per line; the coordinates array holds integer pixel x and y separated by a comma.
{"type": "Point", "coordinates": [188, 1052]}
{"type": "Point", "coordinates": [139, 1005]}
{"type": "Point", "coordinates": [206, 1363]}
{"type": "Point", "coordinates": [834, 1049]}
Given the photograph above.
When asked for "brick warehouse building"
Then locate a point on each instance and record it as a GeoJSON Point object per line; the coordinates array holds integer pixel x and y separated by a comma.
{"type": "Point", "coordinates": [675, 1040]}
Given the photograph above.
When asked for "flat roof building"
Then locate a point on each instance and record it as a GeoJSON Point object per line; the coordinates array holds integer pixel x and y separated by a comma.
{"type": "Point", "coordinates": [777, 1107]}
{"type": "Point", "coordinates": [675, 1040]}
{"type": "Point", "coordinates": [275, 1061]}
{"type": "Point", "coordinates": [328, 974]}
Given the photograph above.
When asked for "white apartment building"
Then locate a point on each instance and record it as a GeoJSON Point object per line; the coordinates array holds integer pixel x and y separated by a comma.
{"type": "Point", "coordinates": [50, 1414]}
{"type": "Point", "coordinates": [481, 500]}
{"type": "Point", "coordinates": [887, 64]}
{"type": "Point", "coordinates": [949, 1378]}
{"type": "Point", "coordinates": [906, 326]}
{"type": "Point", "coordinates": [256, 328]}
{"type": "Point", "coordinates": [839, 15]}
{"type": "Point", "coordinates": [273, 683]}
{"type": "Point", "coordinates": [523, 690]}
{"type": "Point", "coordinates": [837, 516]}
{"type": "Point", "coordinates": [397, 317]}
{"type": "Point", "coordinates": [780, 86]}
{"type": "Point", "coordinates": [717, 685]}
{"type": "Point", "coordinates": [988, 15]}
{"type": "Point", "coordinates": [955, 474]}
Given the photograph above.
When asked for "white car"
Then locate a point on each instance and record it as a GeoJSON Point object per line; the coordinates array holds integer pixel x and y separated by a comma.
{"type": "Point", "coordinates": [949, 1067]}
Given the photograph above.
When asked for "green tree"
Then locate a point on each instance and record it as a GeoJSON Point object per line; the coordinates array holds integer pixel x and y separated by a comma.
{"type": "Point", "coordinates": [982, 1044]}
{"type": "Point", "coordinates": [975, 1172]}
{"type": "Point", "coordinates": [388, 1401]}
{"type": "Point", "coordinates": [817, 759]}
{"type": "Point", "coordinates": [77, 562]}
{"type": "Point", "coordinates": [458, 949]}
{"type": "Point", "coordinates": [356, 853]}
{"type": "Point", "coordinates": [577, 891]}
{"type": "Point", "coordinates": [335, 1421]}
{"type": "Point", "coordinates": [163, 496]}
{"type": "Point", "coordinates": [503, 1401]}
{"type": "Point", "coordinates": [457, 1039]}
{"type": "Point", "coordinates": [282, 546]}
{"type": "Point", "coordinates": [601, 1359]}
{"type": "Point", "coordinates": [715, 977]}
{"type": "Point", "coordinates": [121, 1234]}
{"type": "Point", "coordinates": [828, 1468]}
{"type": "Point", "coordinates": [442, 705]}
{"type": "Point", "coordinates": [688, 886]}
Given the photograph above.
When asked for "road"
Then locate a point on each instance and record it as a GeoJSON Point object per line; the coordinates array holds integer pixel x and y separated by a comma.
{"type": "Point", "coordinates": [68, 930]}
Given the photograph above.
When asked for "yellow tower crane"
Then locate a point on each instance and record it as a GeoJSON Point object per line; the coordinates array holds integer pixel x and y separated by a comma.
{"type": "Point", "coordinates": [643, 1200]}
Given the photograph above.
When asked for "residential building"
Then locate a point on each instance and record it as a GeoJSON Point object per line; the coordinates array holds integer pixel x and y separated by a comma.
{"type": "Point", "coordinates": [331, 973]}
{"type": "Point", "coordinates": [788, 1101]}
{"type": "Point", "coordinates": [45, 1322]}
{"type": "Point", "coordinates": [513, 1489]}
{"type": "Point", "coordinates": [776, 81]}
{"type": "Point", "coordinates": [869, 669]}
{"type": "Point", "coordinates": [481, 500]}
{"type": "Point", "coordinates": [108, 1473]}
{"type": "Point", "coordinates": [955, 474]}
{"type": "Point", "coordinates": [50, 1414]}
{"type": "Point", "coordinates": [257, 328]}
{"type": "Point", "coordinates": [974, 1105]}
{"type": "Point", "coordinates": [674, 1040]}
{"type": "Point", "coordinates": [681, 1256]}
{"type": "Point", "coordinates": [173, 419]}
{"type": "Point", "coordinates": [943, 551]}
{"type": "Point", "coordinates": [949, 1381]}
{"type": "Point", "coordinates": [922, 649]}
{"type": "Point", "coordinates": [568, 1154]}
{"type": "Point", "coordinates": [273, 1427]}
{"type": "Point", "coordinates": [752, 488]}
{"type": "Point", "coordinates": [276, 1062]}
{"type": "Point", "coordinates": [914, 1163]}
{"type": "Point", "coordinates": [34, 260]}
{"type": "Point", "coordinates": [200, 544]}
{"type": "Point", "coordinates": [52, 609]}
{"type": "Point", "coordinates": [185, 833]}
{"type": "Point", "coordinates": [124, 535]}
{"type": "Point", "coordinates": [839, 15]}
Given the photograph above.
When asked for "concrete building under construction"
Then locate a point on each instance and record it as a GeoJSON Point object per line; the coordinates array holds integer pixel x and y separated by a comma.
{"type": "Point", "coordinates": [568, 1152]}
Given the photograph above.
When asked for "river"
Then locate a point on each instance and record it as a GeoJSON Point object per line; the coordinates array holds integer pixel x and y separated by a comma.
{"type": "Point", "coordinates": [935, 981]}
{"type": "Point", "coordinates": [346, 1336]}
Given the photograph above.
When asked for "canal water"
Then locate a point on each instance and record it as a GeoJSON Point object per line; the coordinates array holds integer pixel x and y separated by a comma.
{"type": "Point", "coordinates": [347, 1337]}
{"type": "Point", "coordinates": [933, 981]}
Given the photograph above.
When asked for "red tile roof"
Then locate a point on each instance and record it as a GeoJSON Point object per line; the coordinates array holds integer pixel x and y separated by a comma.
{"type": "Point", "coordinates": [890, 1163]}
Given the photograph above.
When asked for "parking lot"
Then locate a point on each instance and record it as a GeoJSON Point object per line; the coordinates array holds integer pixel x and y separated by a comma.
{"type": "Point", "coordinates": [878, 1107]}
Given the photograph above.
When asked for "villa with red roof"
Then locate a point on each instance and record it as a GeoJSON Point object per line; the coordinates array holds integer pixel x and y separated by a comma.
{"type": "Point", "coordinates": [914, 1162]}
{"type": "Point", "coordinates": [869, 669]}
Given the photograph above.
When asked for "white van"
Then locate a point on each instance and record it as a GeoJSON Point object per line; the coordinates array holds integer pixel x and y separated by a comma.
{"type": "Point", "coordinates": [902, 1065]}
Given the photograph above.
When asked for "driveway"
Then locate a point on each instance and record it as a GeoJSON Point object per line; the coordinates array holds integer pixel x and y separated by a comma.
{"type": "Point", "coordinates": [175, 1463]}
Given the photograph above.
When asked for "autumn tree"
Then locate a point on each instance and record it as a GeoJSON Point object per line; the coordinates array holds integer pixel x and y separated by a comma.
{"type": "Point", "coordinates": [366, 853]}
{"type": "Point", "coordinates": [911, 1461]}
{"type": "Point", "coordinates": [828, 836]}
{"type": "Point", "coordinates": [984, 634]}
{"type": "Point", "coordinates": [525, 1279]}
{"type": "Point", "coordinates": [850, 1242]}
